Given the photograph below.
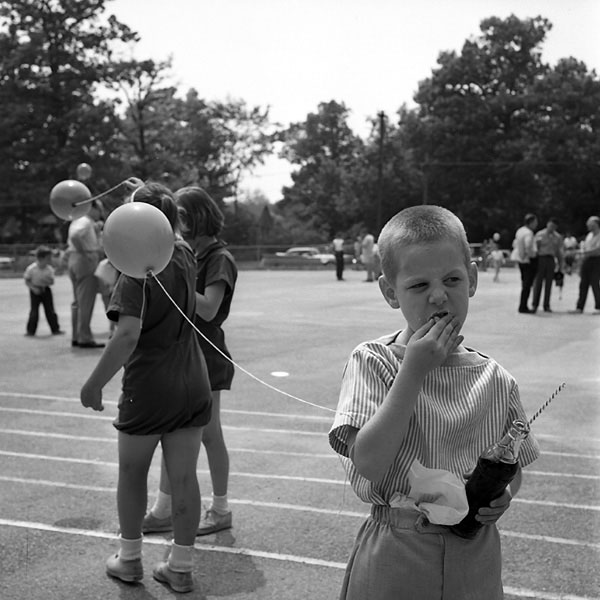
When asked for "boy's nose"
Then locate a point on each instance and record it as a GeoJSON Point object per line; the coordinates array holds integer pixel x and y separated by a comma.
{"type": "Point", "coordinates": [438, 295]}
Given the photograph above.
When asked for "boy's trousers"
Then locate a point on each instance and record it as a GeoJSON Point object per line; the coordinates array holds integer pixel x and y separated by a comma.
{"type": "Point", "coordinates": [399, 555]}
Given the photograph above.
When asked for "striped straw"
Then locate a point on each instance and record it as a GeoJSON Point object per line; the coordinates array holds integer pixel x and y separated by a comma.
{"type": "Point", "coordinates": [543, 407]}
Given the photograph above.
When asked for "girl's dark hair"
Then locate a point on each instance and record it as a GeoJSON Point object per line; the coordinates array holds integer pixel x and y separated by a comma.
{"type": "Point", "coordinates": [199, 214]}
{"type": "Point", "coordinates": [160, 196]}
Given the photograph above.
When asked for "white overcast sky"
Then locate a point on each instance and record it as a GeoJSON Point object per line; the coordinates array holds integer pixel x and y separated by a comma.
{"type": "Point", "coordinates": [292, 54]}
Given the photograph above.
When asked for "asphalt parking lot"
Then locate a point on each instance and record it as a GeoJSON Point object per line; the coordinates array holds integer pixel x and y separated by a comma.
{"type": "Point", "coordinates": [295, 516]}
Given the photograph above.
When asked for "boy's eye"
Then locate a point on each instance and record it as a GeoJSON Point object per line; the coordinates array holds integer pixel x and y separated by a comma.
{"type": "Point", "coordinates": [415, 286]}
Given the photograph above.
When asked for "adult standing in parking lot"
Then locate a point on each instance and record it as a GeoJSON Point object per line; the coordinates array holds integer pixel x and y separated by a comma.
{"type": "Point", "coordinates": [525, 254]}
{"type": "Point", "coordinates": [589, 271]}
{"type": "Point", "coordinates": [549, 244]}
{"type": "Point", "coordinates": [83, 250]}
{"type": "Point", "coordinates": [338, 251]}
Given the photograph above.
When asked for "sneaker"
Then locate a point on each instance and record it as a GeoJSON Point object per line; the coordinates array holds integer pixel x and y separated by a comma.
{"type": "Point", "coordinates": [178, 582]}
{"type": "Point", "coordinates": [129, 571]}
{"type": "Point", "coordinates": [213, 522]}
{"type": "Point", "coordinates": [577, 311]}
{"type": "Point", "coordinates": [152, 524]}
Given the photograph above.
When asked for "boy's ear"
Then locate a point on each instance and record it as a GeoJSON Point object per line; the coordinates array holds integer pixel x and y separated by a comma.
{"type": "Point", "coordinates": [473, 278]}
{"type": "Point", "coordinates": [389, 293]}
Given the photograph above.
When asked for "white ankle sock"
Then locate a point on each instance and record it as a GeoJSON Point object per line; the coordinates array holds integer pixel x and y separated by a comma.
{"type": "Point", "coordinates": [162, 506]}
{"type": "Point", "coordinates": [180, 558]}
{"type": "Point", "coordinates": [130, 549]}
{"type": "Point", "coordinates": [220, 504]}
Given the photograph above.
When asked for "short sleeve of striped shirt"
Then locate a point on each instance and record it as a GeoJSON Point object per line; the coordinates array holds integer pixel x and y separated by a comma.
{"type": "Point", "coordinates": [530, 449]}
{"type": "Point", "coordinates": [367, 377]}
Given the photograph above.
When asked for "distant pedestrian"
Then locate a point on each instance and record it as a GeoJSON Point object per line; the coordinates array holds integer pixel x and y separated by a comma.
{"type": "Point", "coordinates": [357, 251]}
{"type": "Point", "coordinates": [589, 271]}
{"type": "Point", "coordinates": [338, 251]}
{"type": "Point", "coordinates": [367, 255]}
{"type": "Point", "coordinates": [39, 277]}
{"type": "Point", "coordinates": [570, 247]}
{"type": "Point", "coordinates": [549, 244]}
{"type": "Point", "coordinates": [525, 254]}
{"type": "Point", "coordinates": [496, 256]}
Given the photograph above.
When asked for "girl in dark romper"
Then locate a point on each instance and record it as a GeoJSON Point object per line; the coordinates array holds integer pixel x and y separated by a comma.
{"type": "Point", "coordinates": [202, 221]}
{"type": "Point", "coordinates": [165, 398]}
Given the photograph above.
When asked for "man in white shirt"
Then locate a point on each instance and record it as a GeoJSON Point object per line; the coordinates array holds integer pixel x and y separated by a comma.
{"type": "Point", "coordinates": [589, 271]}
{"type": "Point", "coordinates": [525, 253]}
{"type": "Point", "coordinates": [83, 256]}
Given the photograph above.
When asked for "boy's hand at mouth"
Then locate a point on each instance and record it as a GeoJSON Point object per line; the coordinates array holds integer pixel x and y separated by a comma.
{"type": "Point", "coordinates": [432, 343]}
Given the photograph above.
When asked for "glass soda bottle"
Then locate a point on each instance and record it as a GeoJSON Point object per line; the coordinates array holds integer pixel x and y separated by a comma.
{"type": "Point", "coordinates": [496, 468]}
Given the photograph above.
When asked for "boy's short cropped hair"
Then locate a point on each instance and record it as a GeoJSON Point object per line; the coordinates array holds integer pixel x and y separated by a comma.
{"type": "Point", "coordinates": [43, 252]}
{"type": "Point", "coordinates": [419, 225]}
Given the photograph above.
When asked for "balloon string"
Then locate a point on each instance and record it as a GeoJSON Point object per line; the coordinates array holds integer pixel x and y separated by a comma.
{"type": "Point", "coordinates": [109, 191]}
{"type": "Point", "coordinates": [143, 302]}
{"type": "Point", "coordinates": [272, 387]}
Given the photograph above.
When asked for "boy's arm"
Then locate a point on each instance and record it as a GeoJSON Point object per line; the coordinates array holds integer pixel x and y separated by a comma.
{"type": "Point", "coordinates": [377, 443]}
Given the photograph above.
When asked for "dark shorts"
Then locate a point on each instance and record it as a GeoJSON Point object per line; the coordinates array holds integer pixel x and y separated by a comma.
{"type": "Point", "coordinates": [220, 370]}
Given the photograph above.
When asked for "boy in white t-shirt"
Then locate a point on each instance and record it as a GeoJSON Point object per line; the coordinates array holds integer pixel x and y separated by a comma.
{"type": "Point", "coordinates": [39, 276]}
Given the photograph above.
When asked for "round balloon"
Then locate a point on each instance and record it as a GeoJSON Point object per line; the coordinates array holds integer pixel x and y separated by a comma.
{"type": "Point", "coordinates": [84, 171]}
{"type": "Point", "coordinates": [64, 197]}
{"type": "Point", "coordinates": [138, 238]}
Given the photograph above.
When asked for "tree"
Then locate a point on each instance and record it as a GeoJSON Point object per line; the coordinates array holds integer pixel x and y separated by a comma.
{"type": "Point", "coordinates": [486, 131]}
{"type": "Point", "coordinates": [53, 54]}
{"type": "Point", "coordinates": [323, 198]}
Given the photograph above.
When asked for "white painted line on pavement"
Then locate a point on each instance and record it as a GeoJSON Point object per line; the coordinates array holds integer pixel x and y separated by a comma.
{"type": "Point", "coordinates": [549, 539]}
{"type": "Point", "coordinates": [96, 416]}
{"type": "Point", "coordinates": [112, 440]}
{"type": "Point", "coordinates": [332, 454]}
{"type": "Point", "coordinates": [257, 413]}
{"type": "Point", "coordinates": [305, 560]}
{"type": "Point", "coordinates": [570, 455]}
{"type": "Point", "coordinates": [556, 474]}
{"type": "Point", "coordinates": [563, 505]}
{"type": "Point", "coordinates": [523, 593]}
{"type": "Point", "coordinates": [113, 490]}
{"type": "Point", "coordinates": [160, 541]}
{"type": "Point", "coordinates": [240, 474]}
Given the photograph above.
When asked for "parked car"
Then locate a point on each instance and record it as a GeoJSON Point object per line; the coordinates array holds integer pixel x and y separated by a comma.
{"type": "Point", "coordinates": [308, 253]}
{"type": "Point", "coordinates": [7, 263]}
{"type": "Point", "coordinates": [302, 256]}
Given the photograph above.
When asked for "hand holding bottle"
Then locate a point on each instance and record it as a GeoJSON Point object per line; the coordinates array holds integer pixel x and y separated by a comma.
{"type": "Point", "coordinates": [488, 515]}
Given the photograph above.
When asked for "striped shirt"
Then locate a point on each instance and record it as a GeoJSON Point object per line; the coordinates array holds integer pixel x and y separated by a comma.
{"type": "Point", "coordinates": [464, 406]}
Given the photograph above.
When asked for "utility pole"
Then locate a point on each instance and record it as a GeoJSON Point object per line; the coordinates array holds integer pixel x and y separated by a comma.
{"type": "Point", "coordinates": [381, 116]}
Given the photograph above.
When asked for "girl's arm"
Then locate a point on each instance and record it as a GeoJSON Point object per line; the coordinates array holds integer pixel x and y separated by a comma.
{"type": "Point", "coordinates": [207, 305]}
{"type": "Point", "coordinates": [115, 355]}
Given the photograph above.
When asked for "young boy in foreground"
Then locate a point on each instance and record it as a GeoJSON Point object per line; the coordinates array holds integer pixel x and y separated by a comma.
{"type": "Point", "coordinates": [419, 394]}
